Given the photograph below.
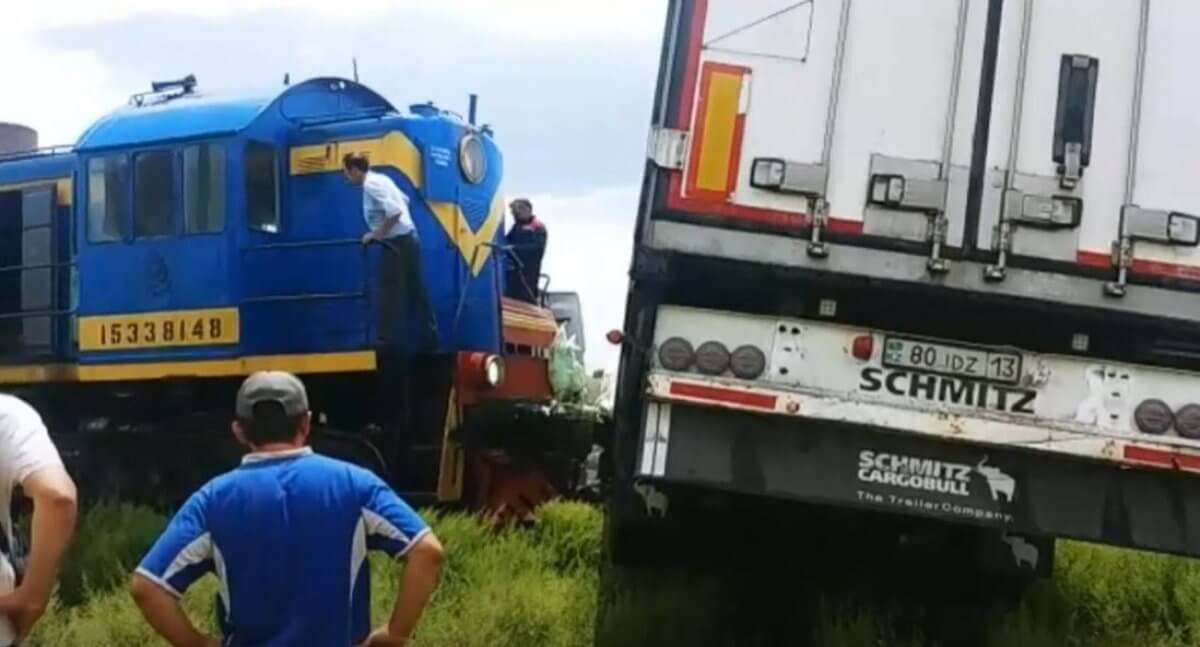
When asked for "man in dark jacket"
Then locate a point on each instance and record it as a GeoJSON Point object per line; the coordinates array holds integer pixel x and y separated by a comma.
{"type": "Point", "coordinates": [527, 245]}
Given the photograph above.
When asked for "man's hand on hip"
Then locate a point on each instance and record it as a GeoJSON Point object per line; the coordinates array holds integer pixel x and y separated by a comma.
{"type": "Point", "coordinates": [381, 638]}
{"type": "Point", "coordinates": [22, 609]}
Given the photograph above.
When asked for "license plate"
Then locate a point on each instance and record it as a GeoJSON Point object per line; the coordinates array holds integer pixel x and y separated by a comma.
{"type": "Point", "coordinates": [947, 359]}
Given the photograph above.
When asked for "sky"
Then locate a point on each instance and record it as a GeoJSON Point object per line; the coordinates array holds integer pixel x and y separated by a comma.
{"type": "Point", "coordinates": [567, 87]}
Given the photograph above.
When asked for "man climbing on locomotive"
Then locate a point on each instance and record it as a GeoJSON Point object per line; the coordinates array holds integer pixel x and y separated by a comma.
{"type": "Point", "coordinates": [389, 222]}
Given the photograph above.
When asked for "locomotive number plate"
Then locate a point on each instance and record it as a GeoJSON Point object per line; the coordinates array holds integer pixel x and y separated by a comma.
{"type": "Point", "coordinates": [159, 329]}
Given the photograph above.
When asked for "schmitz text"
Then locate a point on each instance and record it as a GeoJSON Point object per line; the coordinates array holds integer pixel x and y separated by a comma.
{"type": "Point", "coordinates": [940, 388]}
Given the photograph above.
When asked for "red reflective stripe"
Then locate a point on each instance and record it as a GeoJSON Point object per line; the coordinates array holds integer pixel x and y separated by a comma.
{"type": "Point", "coordinates": [719, 394]}
{"type": "Point", "coordinates": [1161, 457]}
{"type": "Point", "coordinates": [1161, 268]}
{"type": "Point", "coordinates": [1141, 266]}
{"type": "Point", "coordinates": [844, 226]}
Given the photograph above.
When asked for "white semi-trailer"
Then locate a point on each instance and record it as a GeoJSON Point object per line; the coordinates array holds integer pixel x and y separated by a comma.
{"type": "Point", "coordinates": [933, 261]}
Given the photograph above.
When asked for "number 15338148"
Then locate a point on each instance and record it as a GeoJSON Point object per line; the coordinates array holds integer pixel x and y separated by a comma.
{"type": "Point", "coordinates": [159, 329]}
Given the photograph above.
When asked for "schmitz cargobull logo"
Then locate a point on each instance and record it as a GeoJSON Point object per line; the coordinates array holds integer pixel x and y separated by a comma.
{"type": "Point", "coordinates": [931, 475]}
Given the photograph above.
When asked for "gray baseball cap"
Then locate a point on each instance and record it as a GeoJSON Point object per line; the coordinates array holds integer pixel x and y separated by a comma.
{"type": "Point", "coordinates": [272, 386]}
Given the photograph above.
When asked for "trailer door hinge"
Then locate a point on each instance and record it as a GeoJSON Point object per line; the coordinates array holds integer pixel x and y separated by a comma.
{"type": "Point", "coordinates": [1122, 253]}
{"type": "Point", "coordinates": [1122, 259]}
{"type": "Point", "coordinates": [1003, 245]}
{"type": "Point", "coordinates": [667, 147]}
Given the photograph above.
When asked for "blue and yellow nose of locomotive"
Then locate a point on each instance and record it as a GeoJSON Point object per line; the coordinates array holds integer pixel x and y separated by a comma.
{"type": "Point", "coordinates": [215, 236]}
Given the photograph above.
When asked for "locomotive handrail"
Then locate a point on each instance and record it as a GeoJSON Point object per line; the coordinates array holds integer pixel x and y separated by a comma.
{"type": "Point", "coordinates": [362, 293]}
{"type": "Point", "coordinates": [37, 266]}
{"type": "Point", "coordinates": [294, 244]}
{"type": "Point", "coordinates": [462, 291]}
{"type": "Point", "coordinates": [336, 118]}
{"type": "Point", "coordinates": [37, 313]}
{"type": "Point", "coordinates": [309, 244]}
{"type": "Point", "coordinates": [313, 296]}
{"type": "Point", "coordinates": [47, 151]}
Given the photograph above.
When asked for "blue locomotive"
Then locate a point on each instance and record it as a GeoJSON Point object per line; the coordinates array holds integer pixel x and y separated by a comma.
{"type": "Point", "coordinates": [186, 240]}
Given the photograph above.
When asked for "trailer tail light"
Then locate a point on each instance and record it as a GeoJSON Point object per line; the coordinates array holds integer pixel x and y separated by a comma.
{"type": "Point", "coordinates": [748, 362]}
{"type": "Point", "coordinates": [1153, 417]}
{"type": "Point", "coordinates": [1187, 421]}
{"type": "Point", "coordinates": [712, 358]}
{"type": "Point", "coordinates": [863, 347]}
{"type": "Point", "coordinates": [676, 354]}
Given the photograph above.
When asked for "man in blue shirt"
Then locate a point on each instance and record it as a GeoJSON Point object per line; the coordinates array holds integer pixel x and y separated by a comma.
{"type": "Point", "coordinates": [287, 534]}
{"type": "Point", "coordinates": [389, 222]}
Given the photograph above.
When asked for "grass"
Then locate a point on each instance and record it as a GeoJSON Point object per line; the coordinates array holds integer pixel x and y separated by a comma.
{"type": "Point", "coordinates": [534, 586]}
{"type": "Point", "coordinates": [540, 586]}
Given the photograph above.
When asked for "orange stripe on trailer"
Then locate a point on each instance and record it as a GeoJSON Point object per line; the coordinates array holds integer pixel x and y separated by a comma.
{"type": "Point", "coordinates": [720, 124]}
{"type": "Point", "coordinates": [722, 208]}
{"type": "Point", "coordinates": [721, 394]}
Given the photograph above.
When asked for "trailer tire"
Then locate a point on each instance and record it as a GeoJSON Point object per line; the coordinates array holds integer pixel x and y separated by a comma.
{"type": "Point", "coordinates": [629, 542]}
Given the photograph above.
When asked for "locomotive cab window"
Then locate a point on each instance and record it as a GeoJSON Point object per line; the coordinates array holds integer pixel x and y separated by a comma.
{"type": "Point", "coordinates": [203, 189]}
{"type": "Point", "coordinates": [262, 187]}
{"type": "Point", "coordinates": [106, 190]}
{"type": "Point", "coordinates": [153, 199]}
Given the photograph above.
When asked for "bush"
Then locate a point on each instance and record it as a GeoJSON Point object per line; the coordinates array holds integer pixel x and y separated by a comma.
{"type": "Point", "coordinates": [1109, 597]}
{"type": "Point", "coordinates": [570, 532]}
{"type": "Point", "coordinates": [110, 541]}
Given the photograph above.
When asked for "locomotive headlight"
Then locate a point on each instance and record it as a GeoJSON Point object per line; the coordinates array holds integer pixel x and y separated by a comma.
{"type": "Point", "coordinates": [471, 158]}
{"type": "Point", "coordinates": [493, 371]}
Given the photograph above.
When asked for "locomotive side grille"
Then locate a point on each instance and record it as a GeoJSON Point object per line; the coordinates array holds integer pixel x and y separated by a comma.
{"type": "Point", "coordinates": [311, 163]}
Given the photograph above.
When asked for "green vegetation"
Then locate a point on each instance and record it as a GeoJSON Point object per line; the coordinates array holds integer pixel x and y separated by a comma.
{"type": "Point", "coordinates": [533, 586]}
{"type": "Point", "coordinates": [540, 586]}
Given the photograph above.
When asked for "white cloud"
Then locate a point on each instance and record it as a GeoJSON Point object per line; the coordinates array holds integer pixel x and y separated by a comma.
{"type": "Point", "coordinates": [588, 251]}
{"type": "Point", "coordinates": [60, 90]}
{"type": "Point", "coordinates": [558, 20]}
{"type": "Point", "coordinates": [29, 16]}
{"type": "Point", "coordinates": [541, 18]}
{"type": "Point", "coordinates": [56, 92]}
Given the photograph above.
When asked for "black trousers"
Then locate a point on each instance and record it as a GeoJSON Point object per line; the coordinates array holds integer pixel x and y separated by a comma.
{"type": "Point", "coordinates": [401, 285]}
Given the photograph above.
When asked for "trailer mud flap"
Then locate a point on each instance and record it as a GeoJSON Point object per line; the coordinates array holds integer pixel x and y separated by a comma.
{"type": "Point", "coordinates": [1013, 490]}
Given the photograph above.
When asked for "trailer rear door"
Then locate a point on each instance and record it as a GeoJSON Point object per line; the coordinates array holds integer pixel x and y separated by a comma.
{"type": "Point", "coordinates": [1091, 116]}
{"type": "Point", "coordinates": [785, 106]}
{"type": "Point", "coordinates": [861, 121]}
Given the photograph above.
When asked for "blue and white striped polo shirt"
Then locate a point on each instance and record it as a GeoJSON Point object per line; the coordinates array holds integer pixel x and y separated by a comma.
{"type": "Point", "coordinates": [287, 535]}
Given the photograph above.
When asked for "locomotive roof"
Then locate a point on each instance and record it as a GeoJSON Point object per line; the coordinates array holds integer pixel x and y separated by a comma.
{"type": "Point", "coordinates": [189, 114]}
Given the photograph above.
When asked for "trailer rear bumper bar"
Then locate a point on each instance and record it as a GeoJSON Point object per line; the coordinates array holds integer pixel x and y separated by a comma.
{"type": "Point", "coordinates": [988, 429]}
{"type": "Point", "coordinates": [837, 463]}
